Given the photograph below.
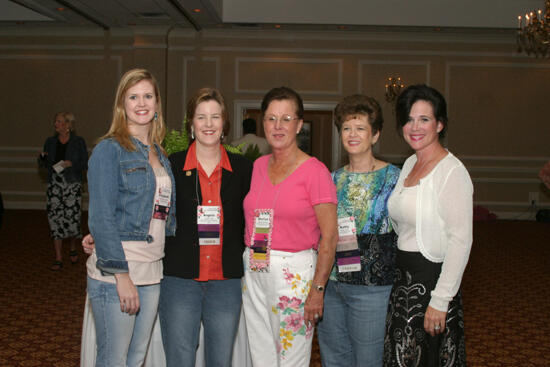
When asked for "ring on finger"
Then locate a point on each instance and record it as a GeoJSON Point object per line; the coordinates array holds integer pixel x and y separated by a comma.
{"type": "Point", "coordinates": [316, 316]}
{"type": "Point", "coordinates": [437, 327]}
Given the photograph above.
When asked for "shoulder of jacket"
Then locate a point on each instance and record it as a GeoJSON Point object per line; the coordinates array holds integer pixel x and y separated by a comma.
{"type": "Point", "coordinates": [178, 156]}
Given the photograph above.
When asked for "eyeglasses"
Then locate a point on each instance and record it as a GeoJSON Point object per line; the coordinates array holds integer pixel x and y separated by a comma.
{"type": "Point", "coordinates": [273, 119]}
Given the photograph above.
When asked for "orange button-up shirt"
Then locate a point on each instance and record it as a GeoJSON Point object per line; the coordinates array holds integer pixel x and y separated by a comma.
{"type": "Point", "coordinates": [210, 265]}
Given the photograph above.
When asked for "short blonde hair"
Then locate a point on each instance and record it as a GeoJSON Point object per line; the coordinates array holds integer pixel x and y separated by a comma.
{"type": "Point", "coordinates": [68, 117]}
{"type": "Point", "coordinates": [119, 124]}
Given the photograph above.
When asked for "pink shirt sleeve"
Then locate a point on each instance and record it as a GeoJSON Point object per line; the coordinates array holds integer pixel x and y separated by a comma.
{"type": "Point", "coordinates": [295, 226]}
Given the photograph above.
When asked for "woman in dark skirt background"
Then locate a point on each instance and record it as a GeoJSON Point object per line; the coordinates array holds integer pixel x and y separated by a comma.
{"type": "Point", "coordinates": [66, 157]}
{"type": "Point", "coordinates": [431, 210]}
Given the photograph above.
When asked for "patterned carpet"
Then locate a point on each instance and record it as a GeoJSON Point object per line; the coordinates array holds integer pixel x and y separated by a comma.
{"type": "Point", "coordinates": [505, 289]}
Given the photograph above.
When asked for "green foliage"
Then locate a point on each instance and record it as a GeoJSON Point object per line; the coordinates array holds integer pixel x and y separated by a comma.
{"type": "Point", "coordinates": [178, 140]}
{"type": "Point", "coordinates": [235, 150]}
{"type": "Point", "coordinates": [252, 152]}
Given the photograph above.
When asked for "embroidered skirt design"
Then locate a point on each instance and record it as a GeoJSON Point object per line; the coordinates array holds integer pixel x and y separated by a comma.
{"type": "Point", "coordinates": [406, 342]}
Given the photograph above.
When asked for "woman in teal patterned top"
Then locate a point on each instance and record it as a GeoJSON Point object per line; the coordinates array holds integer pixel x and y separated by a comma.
{"type": "Point", "coordinates": [351, 332]}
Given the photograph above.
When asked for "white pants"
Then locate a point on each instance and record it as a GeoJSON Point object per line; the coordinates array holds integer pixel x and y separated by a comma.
{"type": "Point", "coordinates": [273, 306]}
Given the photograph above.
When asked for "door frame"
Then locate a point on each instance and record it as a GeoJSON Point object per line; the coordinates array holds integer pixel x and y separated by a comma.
{"type": "Point", "coordinates": [240, 105]}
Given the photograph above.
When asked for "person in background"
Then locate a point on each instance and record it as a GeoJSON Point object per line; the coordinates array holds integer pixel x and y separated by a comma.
{"type": "Point", "coordinates": [203, 263]}
{"type": "Point", "coordinates": [65, 156]}
{"type": "Point", "coordinates": [351, 332]}
{"type": "Point", "coordinates": [290, 215]}
{"type": "Point", "coordinates": [431, 210]}
{"type": "Point", "coordinates": [130, 212]}
{"type": "Point", "coordinates": [250, 138]}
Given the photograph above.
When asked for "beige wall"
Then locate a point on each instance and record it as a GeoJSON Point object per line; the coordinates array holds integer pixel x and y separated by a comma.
{"type": "Point", "coordinates": [498, 100]}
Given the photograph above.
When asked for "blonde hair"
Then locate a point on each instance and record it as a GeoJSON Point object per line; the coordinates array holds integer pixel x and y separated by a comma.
{"type": "Point", "coordinates": [68, 117]}
{"type": "Point", "coordinates": [119, 124]}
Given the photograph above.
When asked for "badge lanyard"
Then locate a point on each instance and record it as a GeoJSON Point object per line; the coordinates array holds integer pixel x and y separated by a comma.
{"type": "Point", "coordinates": [208, 216]}
{"type": "Point", "coordinates": [260, 242]}
{"type": "Point", "coordinates": [348, 256]}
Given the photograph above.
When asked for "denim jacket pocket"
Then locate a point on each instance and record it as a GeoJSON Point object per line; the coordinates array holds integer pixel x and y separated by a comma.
{"type": "Point", "coordinates": [134, 174]}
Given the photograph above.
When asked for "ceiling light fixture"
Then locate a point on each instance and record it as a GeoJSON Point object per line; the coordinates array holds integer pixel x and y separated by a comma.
{"type": "Point", "coordinates": [533, 35]}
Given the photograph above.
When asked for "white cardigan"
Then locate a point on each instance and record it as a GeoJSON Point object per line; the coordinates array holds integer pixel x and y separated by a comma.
{"type": "Point", "coordinates": [444, 209]}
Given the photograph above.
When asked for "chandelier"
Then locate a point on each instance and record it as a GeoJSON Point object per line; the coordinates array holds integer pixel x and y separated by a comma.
{"type": "Point", "coordinates": [394, 87]}
{"type": "Point", "coordinates": [533, 34]}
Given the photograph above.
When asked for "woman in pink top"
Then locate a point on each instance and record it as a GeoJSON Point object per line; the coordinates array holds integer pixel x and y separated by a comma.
{"type": "Point", "coordinates": [290, 215]}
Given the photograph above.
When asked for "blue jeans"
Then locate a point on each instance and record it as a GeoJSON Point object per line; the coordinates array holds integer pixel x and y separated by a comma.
{"type": "Point", "coordinates": [184, 303]}
{"type": "Point", "coordinates": [122, 339]}
{"type": "Point", "coordinates": [351, 332]}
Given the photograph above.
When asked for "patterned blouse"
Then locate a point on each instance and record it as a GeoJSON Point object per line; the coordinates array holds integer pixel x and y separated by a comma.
{"type": "Point", "coordinates": [365, 197]}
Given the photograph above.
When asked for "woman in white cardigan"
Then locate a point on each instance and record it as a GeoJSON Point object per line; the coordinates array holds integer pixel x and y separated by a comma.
{"type": "Point", "coordinates": [431, 210]}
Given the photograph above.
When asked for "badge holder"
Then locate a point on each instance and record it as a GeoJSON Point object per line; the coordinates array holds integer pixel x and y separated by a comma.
{"type": "Point", "coordinates": [208, 222]}
{"type": "Point", "coordinates": [348, 257]}
{"type": "Point", "coordinates": [162, 203]}
{"type": "Point", "coordinates": [260, 247]}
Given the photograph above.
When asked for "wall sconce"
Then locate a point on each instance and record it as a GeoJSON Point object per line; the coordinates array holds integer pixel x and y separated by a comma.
{"type": "Point", "coordinates": [394, 87]}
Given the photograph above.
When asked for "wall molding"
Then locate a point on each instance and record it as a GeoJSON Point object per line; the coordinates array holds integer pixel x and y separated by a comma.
{"type": "Point", "coordinates": [185, 71]}
{"type": "Point", "coordinates": [216, 60]}
{"type": "Point", "coordinates": [450, 64]}
{"type": "Point", "coordinates": [361, 36]}
{"type": "Point", "coordinates": [360, 64]}
{"type": "Point", "coordinates": [383, 52]}
{"type": "Point", "coordinates": [338, 62]}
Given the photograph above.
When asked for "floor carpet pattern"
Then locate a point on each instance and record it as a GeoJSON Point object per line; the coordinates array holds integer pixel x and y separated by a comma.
{"type": "Point", "coordinates": [506, 294]}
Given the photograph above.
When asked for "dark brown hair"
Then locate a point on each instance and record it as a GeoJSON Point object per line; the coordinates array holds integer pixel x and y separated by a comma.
{"type": "Point", "coordinates": [359, 104]}
{"type": "Point", "coordinates": [284, 93]}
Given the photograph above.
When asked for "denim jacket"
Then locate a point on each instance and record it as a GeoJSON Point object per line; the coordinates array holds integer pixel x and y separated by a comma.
{"type": "Point", "coordinates": [122, 188]}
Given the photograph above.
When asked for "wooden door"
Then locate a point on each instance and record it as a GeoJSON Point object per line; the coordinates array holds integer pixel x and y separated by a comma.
{"type": "Point", "coordinates": [316, 136]}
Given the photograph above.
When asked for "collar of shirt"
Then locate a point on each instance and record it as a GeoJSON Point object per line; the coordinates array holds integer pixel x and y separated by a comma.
{"type": "Point", "coordinates": [191, 161]}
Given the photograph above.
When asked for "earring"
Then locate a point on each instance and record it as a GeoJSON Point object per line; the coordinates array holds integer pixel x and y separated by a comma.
{"type": "Point", "coordinates": [192, 134]}
{"type": "Point", "coordinates": [156, 118]}
{"type": "Point", "coordinates": [222, 136]}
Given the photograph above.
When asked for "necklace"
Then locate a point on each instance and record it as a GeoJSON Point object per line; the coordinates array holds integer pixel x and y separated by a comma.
{"type": "Point", "coordinates": [359, 171]}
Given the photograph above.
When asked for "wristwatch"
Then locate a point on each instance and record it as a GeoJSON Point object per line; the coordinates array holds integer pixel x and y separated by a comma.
{"type": "Point", "coordinates": [320, 288]}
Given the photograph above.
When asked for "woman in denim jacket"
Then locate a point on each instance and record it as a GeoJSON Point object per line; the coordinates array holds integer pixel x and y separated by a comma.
{"type": "Point", "coordinates": [65, 156]}
{"type": "Point", "coordinates": [131, 195]}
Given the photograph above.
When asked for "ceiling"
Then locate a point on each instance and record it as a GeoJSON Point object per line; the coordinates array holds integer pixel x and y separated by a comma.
{"type": "Point", "coordinates": [457, 15]}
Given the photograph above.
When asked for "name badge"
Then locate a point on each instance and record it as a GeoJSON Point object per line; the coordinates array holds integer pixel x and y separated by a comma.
{"type": "Point", "coordinates": [208, 221]}
{"type": "Point", "coordinates": [348, 257]}
{"type": "Point", "coordinates": [260, 244]}
{"type": "Point", "coordinates": [162, 203]}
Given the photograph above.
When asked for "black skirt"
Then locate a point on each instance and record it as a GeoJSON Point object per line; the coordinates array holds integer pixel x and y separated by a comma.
{"type": "Point", "coordinates": [406, 342]}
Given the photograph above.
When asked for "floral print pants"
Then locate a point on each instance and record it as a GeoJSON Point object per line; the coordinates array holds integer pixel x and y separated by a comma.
{"type": "Point", "coordinates": [273, 305]}
{"type": "Point", "coordinates": [63, 207]}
